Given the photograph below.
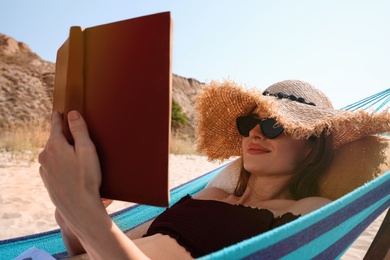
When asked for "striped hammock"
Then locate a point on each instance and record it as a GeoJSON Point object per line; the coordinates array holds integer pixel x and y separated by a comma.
{"type": "Point", "coordinates": [323, 234]}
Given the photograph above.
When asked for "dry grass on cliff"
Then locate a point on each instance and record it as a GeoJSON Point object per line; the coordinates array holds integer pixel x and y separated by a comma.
{"type": "Point", "coordinates": [26, 141]}
{"type": "Point", "coordinates": [182, 145]}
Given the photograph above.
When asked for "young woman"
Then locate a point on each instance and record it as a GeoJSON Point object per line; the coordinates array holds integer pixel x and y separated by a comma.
{"type": "Point", "coordinates": [285, 136]}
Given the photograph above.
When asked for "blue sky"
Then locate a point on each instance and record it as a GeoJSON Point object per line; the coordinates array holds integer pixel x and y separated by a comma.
{"type": "Point", "coordinates": [341, 46]}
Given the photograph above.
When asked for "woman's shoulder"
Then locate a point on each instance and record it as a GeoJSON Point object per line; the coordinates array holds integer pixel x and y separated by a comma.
{"type": "Point", "coordinates": [306, 205]}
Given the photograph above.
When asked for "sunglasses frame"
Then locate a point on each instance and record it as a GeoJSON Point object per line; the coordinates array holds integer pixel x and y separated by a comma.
{"type": "Point", "coordinates": [265, 129]}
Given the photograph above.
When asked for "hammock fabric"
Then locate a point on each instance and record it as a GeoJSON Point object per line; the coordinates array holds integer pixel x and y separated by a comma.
{"type": "Point", "coordinates": [323, 234]}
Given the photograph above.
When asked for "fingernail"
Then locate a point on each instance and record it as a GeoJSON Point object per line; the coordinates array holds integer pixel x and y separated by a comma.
{"type": "Point", "coordinates": [73, 115]}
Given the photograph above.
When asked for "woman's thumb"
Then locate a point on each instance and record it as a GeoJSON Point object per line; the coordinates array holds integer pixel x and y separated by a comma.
{"type": "Point", "coordinates": [78, 128]}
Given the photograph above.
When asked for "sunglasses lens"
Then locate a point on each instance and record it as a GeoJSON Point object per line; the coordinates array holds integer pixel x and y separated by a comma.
{"type": "Point", "coordinates": [270, 128]}
{"type": "Point", "coordinates": [245, 124]}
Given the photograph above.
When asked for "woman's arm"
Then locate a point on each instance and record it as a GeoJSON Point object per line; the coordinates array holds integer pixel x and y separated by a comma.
{"type": "Point", "coordinates": [72, 243]}
{"type": "Point", "coordinates": [72, 176]}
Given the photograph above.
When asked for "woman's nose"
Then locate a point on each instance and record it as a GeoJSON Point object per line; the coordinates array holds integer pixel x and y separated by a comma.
{"type": "Point", "coordinates": [256, 132]}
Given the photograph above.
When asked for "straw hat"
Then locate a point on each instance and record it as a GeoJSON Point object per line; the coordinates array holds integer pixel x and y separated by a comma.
{"type": "Point", "coordinates": [289, 102]}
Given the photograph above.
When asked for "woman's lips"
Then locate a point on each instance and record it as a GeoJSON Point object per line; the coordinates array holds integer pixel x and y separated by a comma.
{"type": "Point", "coordinates": [256, 149]}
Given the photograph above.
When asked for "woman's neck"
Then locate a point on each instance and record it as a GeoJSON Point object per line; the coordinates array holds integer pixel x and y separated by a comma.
{"type": "Point", "coordinates": [265, 188]}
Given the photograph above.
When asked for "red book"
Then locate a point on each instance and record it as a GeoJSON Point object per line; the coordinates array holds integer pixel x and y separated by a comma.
{"type": "Point", "coordinates": [119, 77]}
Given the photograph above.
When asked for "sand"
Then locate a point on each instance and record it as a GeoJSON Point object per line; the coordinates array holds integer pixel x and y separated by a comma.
{"type": "Point", "coordinates": [25, 207]}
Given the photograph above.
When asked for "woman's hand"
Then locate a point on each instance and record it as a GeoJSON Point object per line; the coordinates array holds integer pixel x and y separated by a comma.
{"type": "Point", "coordinates": [72, 176]}
{"type": "Point", "coordinates": [70, 173]}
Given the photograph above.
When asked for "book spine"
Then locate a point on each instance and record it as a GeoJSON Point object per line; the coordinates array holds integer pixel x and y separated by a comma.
{"type": "Point", "coordinates": [69, 82]}
{"type": "Point", "coordinates": [75, 80]}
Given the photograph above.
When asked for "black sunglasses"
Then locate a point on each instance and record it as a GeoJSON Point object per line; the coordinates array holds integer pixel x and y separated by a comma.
{"type": "Point", "coordinates": [269, 127]}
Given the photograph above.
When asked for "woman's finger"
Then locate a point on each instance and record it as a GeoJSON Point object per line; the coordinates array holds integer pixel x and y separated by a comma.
{"type": "Point", "coordinates": [56, 124]}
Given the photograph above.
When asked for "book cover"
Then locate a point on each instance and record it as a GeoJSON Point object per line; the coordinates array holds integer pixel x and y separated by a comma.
{"type": "Point", "coordinates": [119, 77]}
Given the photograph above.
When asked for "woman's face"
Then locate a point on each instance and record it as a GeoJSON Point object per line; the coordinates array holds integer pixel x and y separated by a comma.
{"type": "Point", "coordinates": [278, 156]}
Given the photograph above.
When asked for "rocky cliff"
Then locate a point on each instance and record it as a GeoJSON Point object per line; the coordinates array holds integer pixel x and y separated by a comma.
{"type": "Point", "coordinates": [26, 83]}
{"type": "Point", "coordinates": [26, 86]}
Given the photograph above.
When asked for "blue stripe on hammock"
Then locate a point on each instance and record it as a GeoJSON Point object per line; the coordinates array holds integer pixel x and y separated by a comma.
{"type": "Point", "coordinates": [284, 240]}
{"type": "Point", "coordinates": [345, 241]}
{"type": "Point", "coordinates": [334, 242]}
{"type": "Point", "coordinates": [50, 241]}
{"type": "Point", "coordinates": [323, 224]}
{"type": "Point", "coordinates": [323, 236]}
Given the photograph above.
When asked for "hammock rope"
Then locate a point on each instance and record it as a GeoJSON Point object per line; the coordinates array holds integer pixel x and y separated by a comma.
{"type": "Point", "coordinates": [376, 102]}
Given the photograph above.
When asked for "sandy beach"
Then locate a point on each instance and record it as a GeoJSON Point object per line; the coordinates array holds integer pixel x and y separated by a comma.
{"type": "Point", "coordinates": [25, 207]}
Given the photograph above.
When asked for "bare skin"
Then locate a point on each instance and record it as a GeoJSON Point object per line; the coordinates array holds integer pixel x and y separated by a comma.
{"type": "Point", "coordinates": [72, 177]}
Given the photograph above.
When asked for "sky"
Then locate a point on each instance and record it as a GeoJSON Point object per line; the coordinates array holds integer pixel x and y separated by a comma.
{"type": "Point", "coordinates": [340, 46]}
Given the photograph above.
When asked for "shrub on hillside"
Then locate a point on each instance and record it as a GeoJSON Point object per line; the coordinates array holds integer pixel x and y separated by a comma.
{"type": "Point", "coordinates": [179, 118]}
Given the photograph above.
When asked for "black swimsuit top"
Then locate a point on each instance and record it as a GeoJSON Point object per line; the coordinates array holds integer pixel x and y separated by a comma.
{"type": "Point", "coordinates": [205, 226]}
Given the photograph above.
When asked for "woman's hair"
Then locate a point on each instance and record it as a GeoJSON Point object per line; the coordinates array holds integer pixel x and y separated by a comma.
{"type": "Point", "coordinates": [306, 177]}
